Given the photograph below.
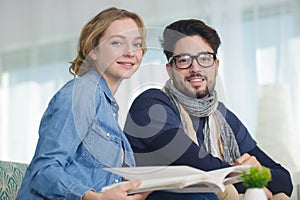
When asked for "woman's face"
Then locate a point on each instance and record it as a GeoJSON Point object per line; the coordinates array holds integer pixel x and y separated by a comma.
{"type": "Point", "coordinates": [119, 52]}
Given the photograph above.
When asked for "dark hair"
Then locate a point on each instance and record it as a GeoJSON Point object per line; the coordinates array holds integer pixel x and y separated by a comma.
{"type": "Point", "coordinates": [188, 27]}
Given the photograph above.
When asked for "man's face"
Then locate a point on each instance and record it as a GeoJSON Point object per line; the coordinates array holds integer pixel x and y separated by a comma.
{"type": "Point", "coordinates": [195, 81]}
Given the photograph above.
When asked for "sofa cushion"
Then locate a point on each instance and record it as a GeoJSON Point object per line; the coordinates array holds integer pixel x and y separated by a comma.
{"type": "Point", "coordinates": [11, 175]}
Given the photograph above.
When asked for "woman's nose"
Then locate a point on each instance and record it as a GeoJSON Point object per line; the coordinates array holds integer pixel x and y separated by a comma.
{"type": "Point", "coordinates": [129, 51]}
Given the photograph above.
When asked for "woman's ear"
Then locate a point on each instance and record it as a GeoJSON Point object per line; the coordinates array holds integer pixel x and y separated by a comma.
{"type": "Point", "coordinates": [93, 54]}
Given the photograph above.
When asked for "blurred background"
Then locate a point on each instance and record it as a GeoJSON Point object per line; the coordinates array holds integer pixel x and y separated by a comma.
{"type": "Point", "coordinates": [259, 64]}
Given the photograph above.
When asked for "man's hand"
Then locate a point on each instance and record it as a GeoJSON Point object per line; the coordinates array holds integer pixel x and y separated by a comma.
{"type": "Point", "coordinates": [246, 159]}
{"type": "Point", "coordinates": [268, 193]}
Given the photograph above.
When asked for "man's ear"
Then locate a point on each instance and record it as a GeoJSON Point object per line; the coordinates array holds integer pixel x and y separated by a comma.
{"type": "Point", "coordinates": [169, 70]}
{"type": "Point", "coordinates": [217, 63]}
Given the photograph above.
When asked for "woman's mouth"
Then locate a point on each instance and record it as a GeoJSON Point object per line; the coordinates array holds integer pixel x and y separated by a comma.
{"type": "Point", "coordinates": [127, 65]}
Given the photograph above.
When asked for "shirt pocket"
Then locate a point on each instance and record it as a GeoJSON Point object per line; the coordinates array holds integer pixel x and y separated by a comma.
{"type": "Point", "coordinates": [104, 146]}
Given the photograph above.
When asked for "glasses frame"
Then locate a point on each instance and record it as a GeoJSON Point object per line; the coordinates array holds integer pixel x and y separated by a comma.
{"type": "Point", "coordinates": [173, 58]}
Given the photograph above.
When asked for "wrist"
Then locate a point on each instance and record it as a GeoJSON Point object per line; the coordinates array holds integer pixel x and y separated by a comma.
{"type": "Point", "coordinates": [89, 195]}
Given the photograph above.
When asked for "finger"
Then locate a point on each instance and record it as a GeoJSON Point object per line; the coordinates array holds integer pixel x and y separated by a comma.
{"type": "Point", "coordinates": [268, 193]}
{"type": "Point", "coordinates": [253, 161]}
{"type": "Point", "coordinates": [130, 185]}
{"type": "Point", "coordinates": [242, 158]}
{"type": "Point", "coordinates": [139, 196]}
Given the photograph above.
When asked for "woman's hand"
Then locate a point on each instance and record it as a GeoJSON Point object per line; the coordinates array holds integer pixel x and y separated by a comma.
{"type": "Point", "coordinates": [119, 192]}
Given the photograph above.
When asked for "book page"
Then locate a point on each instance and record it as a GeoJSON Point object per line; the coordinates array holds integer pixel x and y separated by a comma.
{"type": "Point", "coordinates": [201, 183]}
{"type": "Point", "coordinates": [172, 178]}
{"type": "Point", "coordinates": [142, 173]}
{"type": "Point", "coordinates": [230, 175]}
{"type": "Point", "coordinates": [179, 184]}
{"type": "Point", "coordinates": [179, 178]}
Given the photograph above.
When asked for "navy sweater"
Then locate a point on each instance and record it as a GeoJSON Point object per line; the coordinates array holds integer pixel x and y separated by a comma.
{"type": "Point", "coordinates": [154, 129]}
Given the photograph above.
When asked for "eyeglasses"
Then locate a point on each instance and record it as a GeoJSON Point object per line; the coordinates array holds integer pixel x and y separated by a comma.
{"type": "Point", "coordinates": [184, 61]}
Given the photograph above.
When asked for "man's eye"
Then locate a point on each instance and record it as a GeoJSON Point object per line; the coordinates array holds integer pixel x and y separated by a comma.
{"type": "Point", "coordinates": [183, 60]}
{"type": "Point", "coordinates": [205, 59]}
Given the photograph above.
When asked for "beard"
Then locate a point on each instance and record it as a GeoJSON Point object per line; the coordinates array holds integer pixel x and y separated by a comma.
{"type": "Point", "coordinates": [202, 94]}
{"type": "Point", "coordinates": [190, 91]}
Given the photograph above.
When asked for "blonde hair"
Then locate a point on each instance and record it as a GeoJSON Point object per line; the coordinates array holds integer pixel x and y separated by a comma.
{"type": "Point", "coordinates": [94, 30]}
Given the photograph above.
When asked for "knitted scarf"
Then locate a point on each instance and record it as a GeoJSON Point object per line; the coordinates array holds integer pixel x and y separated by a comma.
{"type": "Point", "coordinates": [219, 139]}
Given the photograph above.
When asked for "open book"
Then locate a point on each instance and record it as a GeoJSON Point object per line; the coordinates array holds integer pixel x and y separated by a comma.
{"type": "Point", "coordinates": [182, 179]}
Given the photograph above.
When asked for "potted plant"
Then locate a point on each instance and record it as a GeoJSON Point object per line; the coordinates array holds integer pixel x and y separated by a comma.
{"type": "Point", "coordinates": [255, 180]}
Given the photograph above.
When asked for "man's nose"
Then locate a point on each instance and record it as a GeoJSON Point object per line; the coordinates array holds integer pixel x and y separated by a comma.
{"type": "Point", "coordinates": [195, 67]}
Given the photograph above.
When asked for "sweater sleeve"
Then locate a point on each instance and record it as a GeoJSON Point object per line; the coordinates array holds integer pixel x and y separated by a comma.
{"type": "Point", "coordinates": [281, 179]}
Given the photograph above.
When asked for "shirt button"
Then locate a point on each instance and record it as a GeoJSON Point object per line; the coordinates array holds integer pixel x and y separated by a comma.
{"type": "Point", "coordinates": [107, 134]}
{"type": "Point", "coordinates": [116, 180]}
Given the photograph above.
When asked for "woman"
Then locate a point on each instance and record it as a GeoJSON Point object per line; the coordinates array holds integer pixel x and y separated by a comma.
{"type": "Point", "coordinates": [79, 133]}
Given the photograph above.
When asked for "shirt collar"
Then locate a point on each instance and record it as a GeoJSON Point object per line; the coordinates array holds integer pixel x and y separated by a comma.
{"type": "Point", "coordinates": [103, 84]}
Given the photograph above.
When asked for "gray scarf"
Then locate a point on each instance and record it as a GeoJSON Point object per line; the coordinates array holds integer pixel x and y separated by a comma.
{"type": "Point", "coordinates": [219, 139]}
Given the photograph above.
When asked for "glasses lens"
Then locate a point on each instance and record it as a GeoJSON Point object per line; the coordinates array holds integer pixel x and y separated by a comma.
{"type": "Point", "coordinates": [205, 59]}
{"type": "Point", "coordinates": [183, 61]}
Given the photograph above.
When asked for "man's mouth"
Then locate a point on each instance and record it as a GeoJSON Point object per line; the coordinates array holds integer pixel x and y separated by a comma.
{"type": "Point", "coordinates": [195, 78]}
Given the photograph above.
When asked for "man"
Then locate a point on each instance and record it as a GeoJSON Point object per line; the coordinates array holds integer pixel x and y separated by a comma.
{"type": "Point", "coordinates": [185, 124]}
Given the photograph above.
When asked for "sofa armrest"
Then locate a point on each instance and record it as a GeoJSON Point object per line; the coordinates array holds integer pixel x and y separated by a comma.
{"type": "Point", "coordinates": [11, 176]}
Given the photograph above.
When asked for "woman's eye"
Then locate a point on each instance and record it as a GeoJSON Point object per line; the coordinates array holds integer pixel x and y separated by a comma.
{"type": "Point", "coordinates": [116, 43]}
{"type": "Point", "coordinates": [139, 45]}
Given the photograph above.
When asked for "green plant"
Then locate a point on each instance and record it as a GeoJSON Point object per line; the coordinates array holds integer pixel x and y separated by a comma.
{"type": "Point", "coordinates": [255, 178]}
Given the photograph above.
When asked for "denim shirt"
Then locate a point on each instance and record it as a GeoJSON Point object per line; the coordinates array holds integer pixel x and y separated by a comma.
{"type": "Point", "coordinates": [79, 135]}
